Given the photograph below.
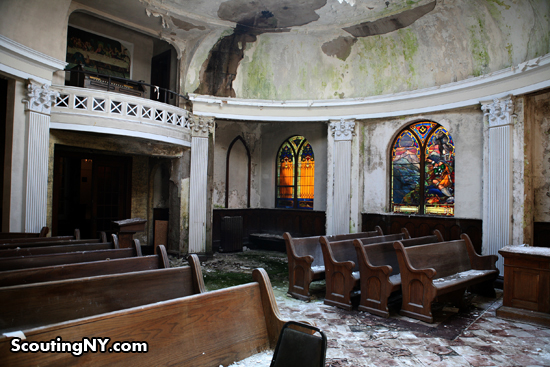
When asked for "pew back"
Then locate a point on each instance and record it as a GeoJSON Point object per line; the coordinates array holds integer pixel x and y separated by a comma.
{"type": "Point", "coordinates": [208, 329]}
{"type": "Point", "coordinates": [43, 250]}
{"type": "Point", "coordinates": [34, 261]}
{"type": "Point", "coordinates": [446, 258]}
{"type": "Point", "coordinates": [83, 270]}
{"type": "Point", "coordinates": [379, 254]}
{"type": "Point", "coordinates": [39, 304]}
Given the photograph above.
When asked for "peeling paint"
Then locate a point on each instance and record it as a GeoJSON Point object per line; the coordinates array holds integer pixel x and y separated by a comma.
{"type": "Point", "coordinates": [339, 47]}
{"type": "Point", "coordinates": [186, 26]}
{"type": "Point", "coordinates": [220, 68]}
{"type": "Point", "coordinates": [270, 14]}
{"type": "Point", "coordinates": [390, 23]}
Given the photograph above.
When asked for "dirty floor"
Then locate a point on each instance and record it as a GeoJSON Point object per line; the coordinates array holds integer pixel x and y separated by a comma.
{"type": "Point", "coordinates": [470, 337]}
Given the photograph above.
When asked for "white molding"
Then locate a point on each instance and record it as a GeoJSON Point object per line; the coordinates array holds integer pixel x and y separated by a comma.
{"type": "Point", "coordinates": [524, 78]}
{"type": "Point", "coordinates": [27, 54]}
{"type": "Point", "coordinates": [23, 75]}
{"type": "Point", "coordinates": [122, 132]}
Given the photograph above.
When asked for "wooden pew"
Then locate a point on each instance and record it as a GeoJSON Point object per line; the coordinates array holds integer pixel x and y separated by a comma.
{"type": "Point", "coordinates": [342, 267]}
{"type": "Point", "coordinates": [208, 329]}
{"type": "Point", "coordinates": [49, 241]}
{"type": "Point", "coordinates": [444, 268]}
{"type": "Point", "coordinates": [68, 247]}
{"type": "Point", "coordinates": [305, 260]}
{"type": "Point", "coordinates": [14, 235]}
{"type": "Point", "coordinates": [379, 271]}
{"type": "Point", "coordinates": [34, 261]}
{"type": "Point", "coordinates": [40, 304]}
{"type": "Point", "coordinates": [87, 269]}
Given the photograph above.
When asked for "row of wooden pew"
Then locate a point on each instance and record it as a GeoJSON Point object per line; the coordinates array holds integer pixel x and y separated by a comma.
{"type": "Point", "coordinates": [376, 266]}
{"type": "Point", "coordinates": [68, 289]}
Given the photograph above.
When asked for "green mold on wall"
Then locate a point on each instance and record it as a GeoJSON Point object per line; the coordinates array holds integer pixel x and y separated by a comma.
{"type": "Point", "coordinates": [480, 54]}
{"type": "Point", "coordinates": [259, 74]}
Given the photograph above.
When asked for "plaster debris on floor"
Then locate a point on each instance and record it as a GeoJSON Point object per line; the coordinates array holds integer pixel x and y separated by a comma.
{"type": "Point", "coordinates": [473, 336]}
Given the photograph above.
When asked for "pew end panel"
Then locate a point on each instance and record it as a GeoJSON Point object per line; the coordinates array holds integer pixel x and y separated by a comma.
{"type": "Point", "coordinates": [375, 283]}
{"type": "Point", "coordinates": [305, 264]}
{"type": "Point", "coordinates": [196, 272]}
{"type": "Point", "coordinates": [479, 262]}
{"type": "Point", "coordinates": [341, 274]}
{"type": "Point", "coordinates": [207, 329]}
{"type": "Point", "coordinates": [380, 273]}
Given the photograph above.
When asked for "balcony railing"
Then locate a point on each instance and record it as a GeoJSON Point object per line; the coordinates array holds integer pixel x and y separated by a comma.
{"type": "Point", "coordinates": [98, 103]}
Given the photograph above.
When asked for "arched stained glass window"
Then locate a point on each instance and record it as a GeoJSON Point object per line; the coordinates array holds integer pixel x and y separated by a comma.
{"type": "Point", "coordinates": [295, 174]}
{"type": "Point", "coordinates": [423, 178]}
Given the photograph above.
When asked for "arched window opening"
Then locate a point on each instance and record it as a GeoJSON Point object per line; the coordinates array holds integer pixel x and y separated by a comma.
{"type": "Point", "coordinates": [295, 174]}
{"type": "Point", "coordinates": [423, 174]}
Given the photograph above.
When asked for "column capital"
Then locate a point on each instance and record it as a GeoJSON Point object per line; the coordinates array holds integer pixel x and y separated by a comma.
{"type": "Point", "coordinates": [343, 129]}
{"type": "Point", "coordinates": [201, 126]}
{"type": "Point", "coordinates": [39, 97]}
{"type": "Point", "coordinates": [499, 112]}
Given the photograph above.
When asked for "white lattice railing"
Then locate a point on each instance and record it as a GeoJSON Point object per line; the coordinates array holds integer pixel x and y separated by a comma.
{"type": "Point", "coordinates": [119, 106]}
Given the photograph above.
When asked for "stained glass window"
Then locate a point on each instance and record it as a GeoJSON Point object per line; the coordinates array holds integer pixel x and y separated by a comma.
{"type": "Point", "coordinates": [423, 178]}
{"type": "Point", "coordinates": [295, 174]}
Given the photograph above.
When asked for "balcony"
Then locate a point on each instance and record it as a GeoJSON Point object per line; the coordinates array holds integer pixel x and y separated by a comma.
{"type": "Point", "coordinates": [100, 111]}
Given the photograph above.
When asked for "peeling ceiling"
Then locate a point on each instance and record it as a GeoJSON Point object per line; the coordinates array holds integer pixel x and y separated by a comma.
{"type": "Point", "coordinates": [263, 15]}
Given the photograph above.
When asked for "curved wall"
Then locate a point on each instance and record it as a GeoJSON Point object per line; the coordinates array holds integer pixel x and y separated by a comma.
{"type": "Point", "coordinates": [455, 41]}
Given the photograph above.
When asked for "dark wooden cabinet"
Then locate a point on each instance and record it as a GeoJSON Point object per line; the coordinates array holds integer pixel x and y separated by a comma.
{"type": "Point", "coordinates": [526, 284]}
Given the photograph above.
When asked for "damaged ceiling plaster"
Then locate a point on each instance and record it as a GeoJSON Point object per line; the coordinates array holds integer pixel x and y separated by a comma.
{"type": "Point", "coordinates": [187, 23]}
{"type": "Point", "coordinates": [254, 17]}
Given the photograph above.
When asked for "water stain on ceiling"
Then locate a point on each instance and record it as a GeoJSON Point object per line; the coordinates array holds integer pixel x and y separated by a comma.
{"type": "Point", "coordinates": [254, 17]}
{"type": "Point", "coordinates": [270, 14]}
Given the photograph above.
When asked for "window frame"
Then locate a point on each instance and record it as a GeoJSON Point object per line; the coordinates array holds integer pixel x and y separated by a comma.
{"type": "Point", "coordinates": [297, 161]}
{"type": "Point", "coordinates": [423, 144]}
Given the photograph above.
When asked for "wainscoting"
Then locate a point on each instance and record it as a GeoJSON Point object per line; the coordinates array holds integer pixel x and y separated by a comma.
{"type": "Point", "coordinates": [299, 223]}
{"type": "Point", "coordinates": [423, 225]}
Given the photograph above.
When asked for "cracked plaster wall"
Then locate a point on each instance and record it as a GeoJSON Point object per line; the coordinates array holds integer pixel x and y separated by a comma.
{"type": "Point", "coordinates": [226, 131]}
{"type": "Point", "coordinates": [540, 164]}
{"type": "Point", "coordinates": [455, 41]}
{"type": "Point", "coordinates": [466, 128]}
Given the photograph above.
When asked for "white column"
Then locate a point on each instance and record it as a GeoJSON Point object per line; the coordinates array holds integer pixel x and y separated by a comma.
{"type": "Point", "coordinates": [198, 183]}
{"type": "Point", "coordinates": [497, 180]}
{"type": "Point", "coordinates": [338, 213]}
{"type": "Point", "coordinates": [38, 107]}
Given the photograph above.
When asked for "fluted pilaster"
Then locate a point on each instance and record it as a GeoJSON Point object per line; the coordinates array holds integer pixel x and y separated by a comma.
{"type": "Point", "coordinates": [38, 107]}
{"type": "Point", "coordinates": [198, 185]}
{"type": "Point", "coordinates": [342, 131]}
{"type": "Point", "coordinates": [497, 208]}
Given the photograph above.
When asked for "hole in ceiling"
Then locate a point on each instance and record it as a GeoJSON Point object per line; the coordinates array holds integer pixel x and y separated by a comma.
{"type": "Point", "coordinates": [266, 14]}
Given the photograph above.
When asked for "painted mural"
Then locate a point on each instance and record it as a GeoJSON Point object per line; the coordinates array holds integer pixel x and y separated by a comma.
{"type": "Point", "coordinates": [98, 54]}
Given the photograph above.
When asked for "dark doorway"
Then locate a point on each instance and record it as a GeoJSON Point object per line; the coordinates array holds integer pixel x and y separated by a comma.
{"type": "Point", "coordinates": [91, 190]}
{"type": "Point", "coordinates": [160, 76]}
{"type": "Point", "coordinates": [3, 119]}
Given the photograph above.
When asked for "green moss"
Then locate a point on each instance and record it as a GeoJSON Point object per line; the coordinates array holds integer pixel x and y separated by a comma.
{"type": "Point", "coordinates": [302, 80]}
{"type": "Point", "coordinates": [510, 49]}
{"type": "Point", "coordinates": [480, 54]}
{"type": "Point", "coordinates": [410, 48]}
{"type": "Point", "coordinates": [499, 2]}
{"type": "Point", "coordinates": [274, 264]}
{"type": "Point", "coordinates": [259, 74]}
